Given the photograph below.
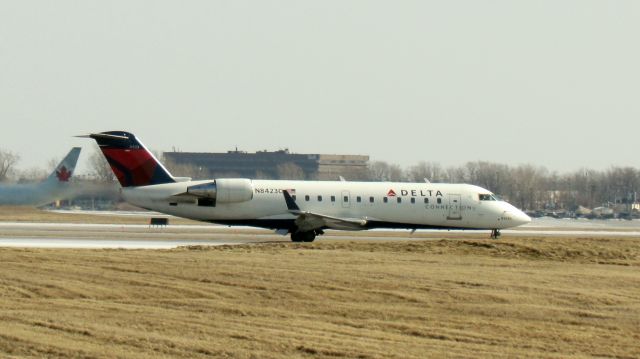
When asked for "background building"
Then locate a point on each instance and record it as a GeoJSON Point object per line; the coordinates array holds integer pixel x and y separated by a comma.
{"type": "Point", "coordinates": [267, 165]}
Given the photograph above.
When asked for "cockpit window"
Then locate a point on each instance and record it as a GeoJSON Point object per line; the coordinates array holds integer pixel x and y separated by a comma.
{"type": "Point", "coordinates": [487, 197]}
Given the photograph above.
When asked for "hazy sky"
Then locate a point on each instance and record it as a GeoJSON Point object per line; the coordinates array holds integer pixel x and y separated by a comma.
{"type": "Point", "coordinates": [553, 83]}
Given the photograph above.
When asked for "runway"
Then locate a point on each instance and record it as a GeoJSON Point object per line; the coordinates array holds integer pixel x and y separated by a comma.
{"type": "Point", "coordinates": [125, 236]}
{"type": "Point", "coordinates": [102, 244]}
{"type": "Point", "coordinates": [131, 236]}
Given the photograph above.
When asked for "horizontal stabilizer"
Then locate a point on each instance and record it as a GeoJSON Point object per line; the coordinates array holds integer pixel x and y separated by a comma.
{"type": "Point", "coordinates": [105, 136]}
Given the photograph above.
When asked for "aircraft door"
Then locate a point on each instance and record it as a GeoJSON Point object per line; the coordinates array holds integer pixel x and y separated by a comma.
{"type": "Point", "coordinates": [455, 207]}
{"type": "Point", "coordinates": [346, 199]}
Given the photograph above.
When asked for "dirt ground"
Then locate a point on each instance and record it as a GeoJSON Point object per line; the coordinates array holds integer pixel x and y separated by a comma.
{"type": "Point", "coordinates": [454, 295]}
{"type": "Point", "coordinates": [34, 215]}
{"type": "Point", "coordinates": [516, 297]}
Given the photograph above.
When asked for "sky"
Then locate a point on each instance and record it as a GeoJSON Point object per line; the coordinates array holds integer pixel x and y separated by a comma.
{"type": "Point", "coordinates": [550, 83]}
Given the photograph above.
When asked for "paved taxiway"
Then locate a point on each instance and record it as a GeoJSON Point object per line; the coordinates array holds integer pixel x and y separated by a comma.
{"type": "Point", "coordinates": [72, 235]}
{"type": "Point", "coordinates": [103, 244]}
{"type": "Point", "coordinates": [68, 235]}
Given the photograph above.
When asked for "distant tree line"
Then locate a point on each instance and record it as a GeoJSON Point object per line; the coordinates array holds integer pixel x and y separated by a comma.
{"type": "Point", "coordinates": [8, 161]}
{"type": "Point", "coordinates": [526, 186]}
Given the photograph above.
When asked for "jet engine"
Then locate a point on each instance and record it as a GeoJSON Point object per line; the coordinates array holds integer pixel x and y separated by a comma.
{"type": "Point", "coordinates": [224, 190]}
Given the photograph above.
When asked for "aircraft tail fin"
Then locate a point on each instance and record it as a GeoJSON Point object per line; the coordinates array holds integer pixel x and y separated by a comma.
{"type": "Point", "coordinates": [130, 160]}
{"type": "Point", "coordinates": [64, 170]}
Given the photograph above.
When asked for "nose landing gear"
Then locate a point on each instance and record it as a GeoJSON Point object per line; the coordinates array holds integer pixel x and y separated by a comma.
{"type": "Point", "coordinates": [495, 233]}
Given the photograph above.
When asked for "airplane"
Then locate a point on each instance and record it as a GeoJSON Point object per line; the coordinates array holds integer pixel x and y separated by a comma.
{"type": "Point", "coordinates": [54, 187]}
{"type": "Point", "coordinates": [303, 209]}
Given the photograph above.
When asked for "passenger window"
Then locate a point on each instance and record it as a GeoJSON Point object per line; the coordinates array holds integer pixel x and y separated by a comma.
{"type": "Point", "coordinates": [306, 198]}
{"type": "Point", "coordinates": [399, 200]}
{"type": "Point", "coordinates": [385, 199]}
{"type": "Point", "coordinates": [370, 199]}
{"type": "Point", "coordinates": [319, 198]}
{"type": "Point", "coordinates": [439, 200]}
{"type": "Point", "coordinates": [413, 200]}
{"type": "Point", "coordinates": [333, 198]}
{"type": "Point", "coordinates": [346, 198]}
{"type": "Point", "coordinates": [426, 200]}
{"type": "Point", "coordinates": [358, 199]}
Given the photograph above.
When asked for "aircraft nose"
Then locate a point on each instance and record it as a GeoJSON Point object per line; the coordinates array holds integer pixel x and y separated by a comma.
{"type": "Point", "coordinates": [520, 218]}
{"type": "Point", "coordinates": [515, 217]}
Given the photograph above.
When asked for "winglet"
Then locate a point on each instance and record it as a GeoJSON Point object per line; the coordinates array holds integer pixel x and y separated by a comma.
{"type": "Point", "coordinates": [291, 203]}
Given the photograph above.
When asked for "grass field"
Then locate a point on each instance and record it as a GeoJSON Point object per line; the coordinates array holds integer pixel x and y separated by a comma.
{"type": "Point", "coordinates": [33, 215]}
{"type": "Point", "coordinates": [524, 297]}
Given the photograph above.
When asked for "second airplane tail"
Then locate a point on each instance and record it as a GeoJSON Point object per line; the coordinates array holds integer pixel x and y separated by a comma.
{"type": "Point", "coordinates": [130, 161]}
{"type": "Point", "coordinates": [64, 170]}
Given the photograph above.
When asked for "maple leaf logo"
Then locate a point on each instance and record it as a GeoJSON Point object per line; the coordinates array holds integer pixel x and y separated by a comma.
{"type": "Point", "coordinates": [63, 174]}
{"type": "Point", "coordinates": [391, 193]}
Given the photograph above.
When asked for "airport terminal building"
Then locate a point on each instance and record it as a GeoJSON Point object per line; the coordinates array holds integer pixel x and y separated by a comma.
{"type": "Point", "coordinates": [268, 165]}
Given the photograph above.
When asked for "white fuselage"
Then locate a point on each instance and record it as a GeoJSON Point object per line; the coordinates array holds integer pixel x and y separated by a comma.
{"type": "Point", "coordinates": [414, 205]}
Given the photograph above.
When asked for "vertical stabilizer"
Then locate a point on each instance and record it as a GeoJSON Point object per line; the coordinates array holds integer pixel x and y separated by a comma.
{"type": "Point", "coordinates": [66, 167]}
{"type": "Point", "coordinates": [130, 160]}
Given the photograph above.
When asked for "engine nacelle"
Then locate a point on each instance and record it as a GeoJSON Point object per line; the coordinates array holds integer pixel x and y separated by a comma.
{"type": "Point", "coordinates": [224, 190]}
{"type": "Point", "coordinates": [234, 190]}
{"type": "Point", "coordinates": [205, 190]}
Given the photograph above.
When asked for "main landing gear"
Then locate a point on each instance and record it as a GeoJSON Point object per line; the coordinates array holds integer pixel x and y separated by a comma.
{"type": "Point", "coordinates": [495, 233]}
{"type": "Point", "coordinates": [305, 236]}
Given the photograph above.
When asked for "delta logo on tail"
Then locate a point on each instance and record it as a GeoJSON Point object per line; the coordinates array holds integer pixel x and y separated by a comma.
{"type": "Point", "coordinates": [130, 161]}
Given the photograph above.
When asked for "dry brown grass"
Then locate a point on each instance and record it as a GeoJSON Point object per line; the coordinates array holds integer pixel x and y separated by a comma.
{"type": "Point", "coordinates": [34, 215]}
{"type": "Point", "coordinates": [526, 297]}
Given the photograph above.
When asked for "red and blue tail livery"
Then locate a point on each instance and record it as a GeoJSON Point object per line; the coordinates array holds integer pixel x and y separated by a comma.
{"type": "Point", "coordinates": [130, 161]}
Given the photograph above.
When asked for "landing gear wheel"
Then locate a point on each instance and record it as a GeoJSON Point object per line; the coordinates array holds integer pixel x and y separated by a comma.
{"type": "Point", "coordinates": [303, 236]}
{"type": "Point", "coordinates": [296, 237]}
{"type": "Point", "coordinates": [308, 236]}
{"type": "Point", "coordinates": [495, 233]}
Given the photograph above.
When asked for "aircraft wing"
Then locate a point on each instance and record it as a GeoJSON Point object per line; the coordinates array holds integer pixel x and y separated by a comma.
{"type": "Point", "coordinates": [308, 221]}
